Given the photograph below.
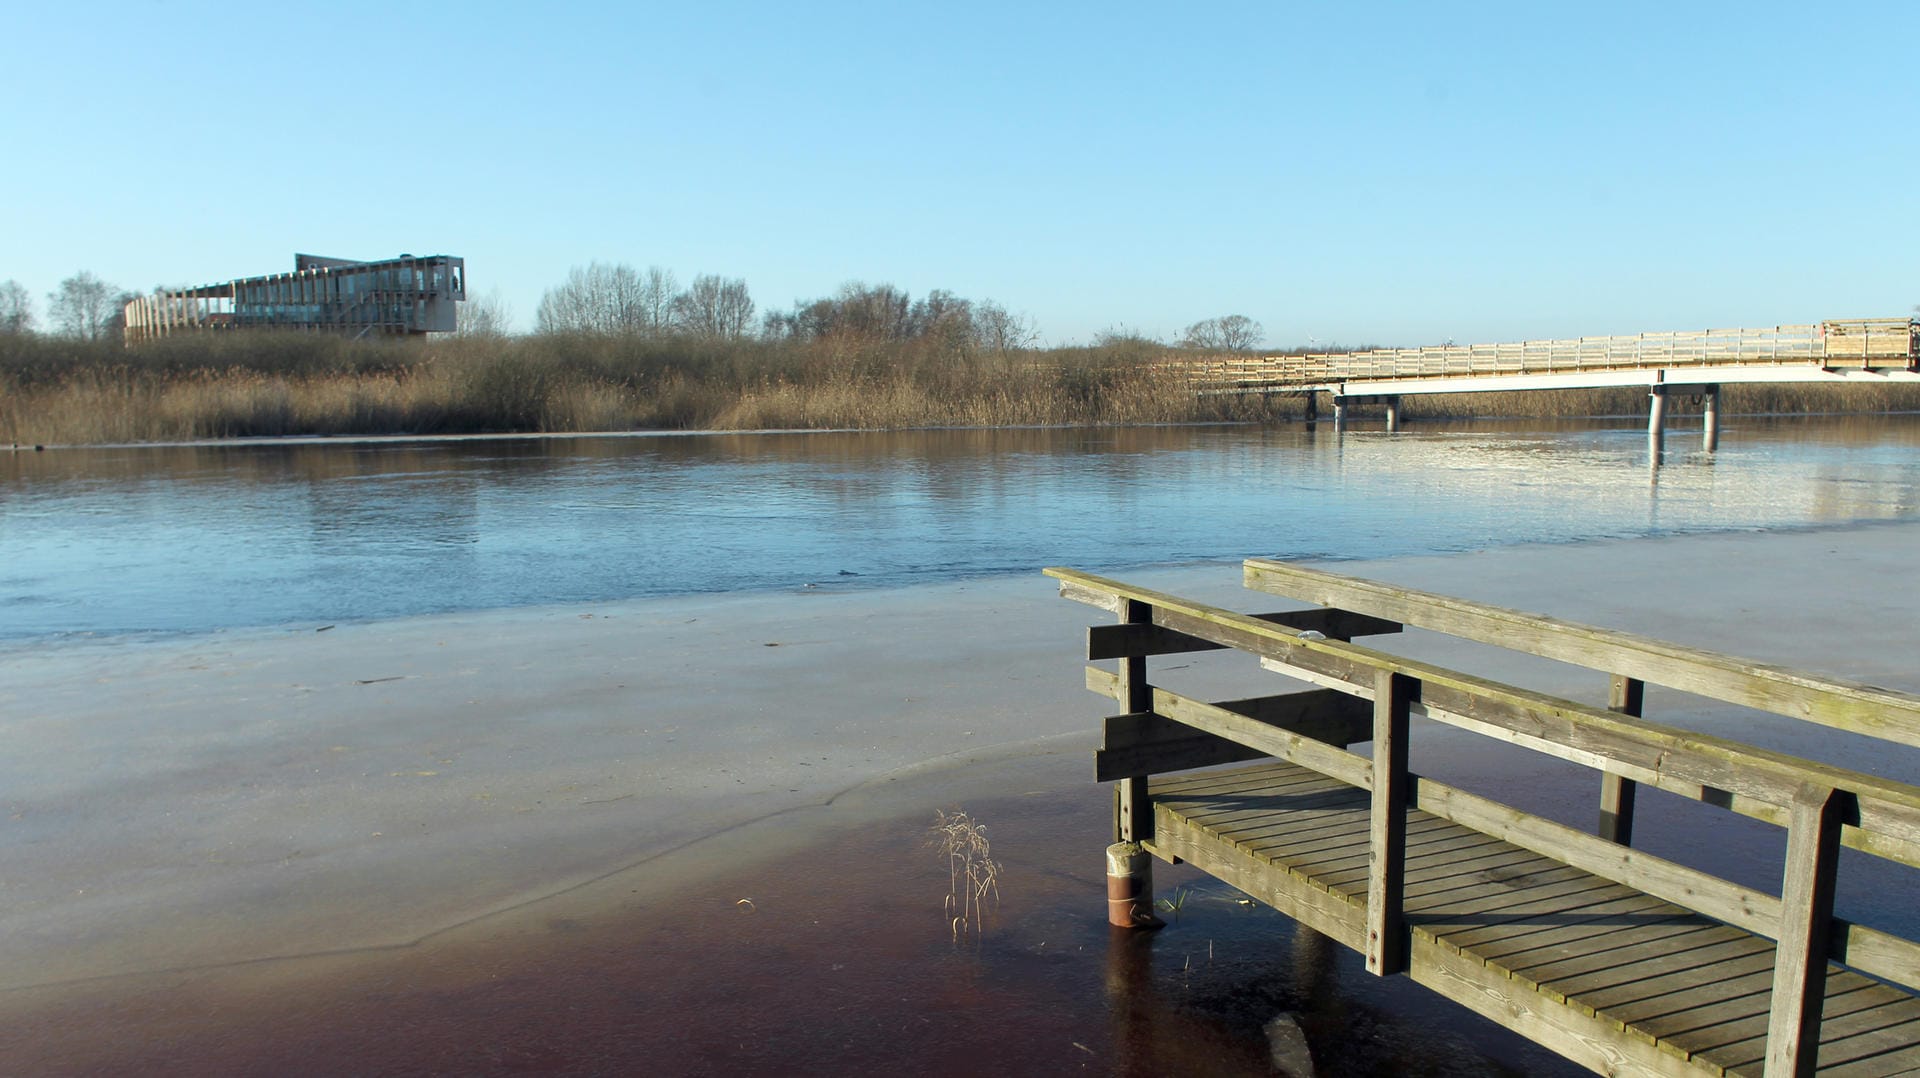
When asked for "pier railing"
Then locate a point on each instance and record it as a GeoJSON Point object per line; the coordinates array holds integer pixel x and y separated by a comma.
{"type": "Point", "coordinates": [1871, 343]}
{"type": "Point", "coordinates": [1365, 694]}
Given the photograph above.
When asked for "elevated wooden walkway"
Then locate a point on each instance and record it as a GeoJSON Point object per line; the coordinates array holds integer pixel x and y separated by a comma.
{"type": "Point", "coordinates": [1624, 962]}
{"type": "Point", "coordinates": [1836, 350]}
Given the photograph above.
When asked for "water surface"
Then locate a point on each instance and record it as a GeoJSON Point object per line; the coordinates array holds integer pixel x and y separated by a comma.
{"type": "Point", "coordinates": [205, 537]}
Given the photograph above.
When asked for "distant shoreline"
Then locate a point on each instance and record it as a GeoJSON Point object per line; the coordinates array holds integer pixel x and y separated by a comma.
{"type": "Point", "coordinates": [224, 387]}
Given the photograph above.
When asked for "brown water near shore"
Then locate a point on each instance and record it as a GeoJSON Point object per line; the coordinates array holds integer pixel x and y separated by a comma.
{"type": "Point", "coordinates": [833, 958]}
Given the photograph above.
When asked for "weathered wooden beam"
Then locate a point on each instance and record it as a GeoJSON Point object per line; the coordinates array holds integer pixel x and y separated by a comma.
{"type": "Point", "coordinates": [1181, 733]}
{"type": "Point", "coordinates": [1627, 696]}
{"type": "Point", "coordinates": [1845, 705]}
{"type": "Point", "coordinates": [1800, 962]}
{"type": "Point", "coordinates": [1127, 641]}
{"type": "Point", "coordinates": [1149, 744]}
{"type": "Point", "coordinates": [1387, 939]}
{"type": "Point", "coordinates": [1133, 803]}
{"type": "Point", "coordinates": [1890, 847]}
{"type": "Point", "coordinates": [1302, 731]}
{"type": "Point", "coordinates": [1634, 747]}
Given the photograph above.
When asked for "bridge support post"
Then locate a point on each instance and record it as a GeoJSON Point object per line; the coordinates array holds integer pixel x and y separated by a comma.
{"type": "Point", "coordinates": [1313, 406]}
{"type": "Point", "coordinates": [1339, 411]}
{"type": "Point", "coordinates": [1657, 423]}
{"type": "Point", "coordinates": [1393, 413]}
{"type": "Point", "coordinates": [1711, 413]}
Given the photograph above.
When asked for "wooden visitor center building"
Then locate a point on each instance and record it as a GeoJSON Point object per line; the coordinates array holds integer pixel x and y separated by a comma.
{"type": "Point", "coordinates": [403, 296]}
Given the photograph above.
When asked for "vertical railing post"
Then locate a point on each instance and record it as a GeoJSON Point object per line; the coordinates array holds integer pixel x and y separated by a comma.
{"type": "Point", "coordinates": [1806, 924]}
{"type": "Point", "coordinates": [1387, 941]}
{"type": "Point", "coordinates": [1133, 809]}
{"type": "Point", "coordinates": [1628, 697]}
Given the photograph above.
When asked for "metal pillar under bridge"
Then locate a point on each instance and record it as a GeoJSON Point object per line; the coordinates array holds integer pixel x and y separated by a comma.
{"type": "Point", "coordinates": [1657, 417]}
{"type": "Point", "coordinates": [1657, 423]}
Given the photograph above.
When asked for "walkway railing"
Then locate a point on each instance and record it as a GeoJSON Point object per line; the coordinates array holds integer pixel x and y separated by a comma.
{"type": "Point", "coordinates": [1384, 908]}
{"type": "Point", "coordinates": [1869, 343]}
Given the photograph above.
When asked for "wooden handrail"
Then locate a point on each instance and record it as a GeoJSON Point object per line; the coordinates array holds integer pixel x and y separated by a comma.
{"type": "Point", "coordinates": [1823, 806]}
{"type": "Point", "coordinates": [1830, 701]}
{"type": "Point", "coordinates": [1836, 342]}
{"type": "Point", "coordinates": [1602, 739]}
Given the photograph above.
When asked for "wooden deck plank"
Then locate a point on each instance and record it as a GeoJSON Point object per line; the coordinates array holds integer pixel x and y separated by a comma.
{"type": "Point", "coordinates": [1685, 958]}
{"type": "Point", "coordinates": [1637, 1012]}
{"type": "Point", "coordinates": [1438, 883]}
{"type": "Point", "coordinates": [1570, 958]}
{"type": "Point", "coordinates": [1473, 867]}
{"type": "Point", "coordinates": [1723, 998]}
{"type": "Point", "coordinates": [1592, 954]}
{"type": "Point", "coordinates": [1893, 1024]}
{"type": "Point", "coordinates": [1308, 822]}
{"type": "Point", "coordinates": [1730, 1029]}
{"type": "Point", "coordinates": [1900, 1061]}
{"type": "Point", "coordinates": [1434, 848]}
{"type": "Point", "coordinates": [1678, 980]}
{"type": "Point", "coordinates": [1523, 932]}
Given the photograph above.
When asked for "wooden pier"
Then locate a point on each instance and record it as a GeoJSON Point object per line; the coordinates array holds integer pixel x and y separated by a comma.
{"type": "Point", "coordinates": [1624, 962]}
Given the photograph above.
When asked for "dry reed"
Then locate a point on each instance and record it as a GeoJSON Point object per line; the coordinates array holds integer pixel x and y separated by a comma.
{"type": "Point", "coordinates": [55, 391]}
{"type": "Point", "coordinates": [973, 874]}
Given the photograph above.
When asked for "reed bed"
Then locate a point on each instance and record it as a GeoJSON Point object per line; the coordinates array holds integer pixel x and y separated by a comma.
{"type": "Point", "coordinates": [55, 391]}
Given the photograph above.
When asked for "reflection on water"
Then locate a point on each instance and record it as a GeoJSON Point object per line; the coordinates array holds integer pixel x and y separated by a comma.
{"type": "Point", "coordinates": [202, 537]}
{"type": "Point", "coordinates": [842, 963]}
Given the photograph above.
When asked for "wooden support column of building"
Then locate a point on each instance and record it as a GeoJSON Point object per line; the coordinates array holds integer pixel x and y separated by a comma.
{"type": "Point", "coordinates": [1710, 439]}
{"type": "Point", "coordinates": [1628, 697]}
{"type": "Point", "coordinates": [1387, 939]}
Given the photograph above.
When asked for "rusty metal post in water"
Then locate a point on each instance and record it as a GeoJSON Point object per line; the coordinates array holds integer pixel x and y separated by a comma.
{"type": "Point", "coordinates": [1130, 886]}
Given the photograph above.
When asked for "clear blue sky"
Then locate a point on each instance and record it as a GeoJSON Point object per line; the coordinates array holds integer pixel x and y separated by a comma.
{"type": "Point", "coordinates": [1343, 172]}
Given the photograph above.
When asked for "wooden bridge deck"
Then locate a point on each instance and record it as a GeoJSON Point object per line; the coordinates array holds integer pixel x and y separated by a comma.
{"type": "Point", "coordinates": [1574, 959]}
{"type": "Point", "coordinates": [1835, 350]}
{"type": "Point", "coordinates": [1625, 962]}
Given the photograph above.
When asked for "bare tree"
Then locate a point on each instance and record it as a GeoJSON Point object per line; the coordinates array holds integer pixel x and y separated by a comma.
{"type": "Point", "coordinates": [1239, 333]}
{"type": "Point", "coordinates": [596, 298]}
{"type": "Point", "coordinates": [714, 308]}
{"type": "Point", "coordinates": [83, 306]}
{"type": "Point", "coordinates": [658, 289]}
{"type": "Point", "coordinates": [16, 308]}
{"type": "Point", "coordinates": [489, 316]}
{"type": "Point", "coordinates": [610, 298]}
{"type": "Point", "coordinates": [1000, 331]}
{"type": "Point", "coordinates": [1227, 333]}
{"type": "Point", "coordinates": [872, 312]}
{"type": "Point", "coordinates": [945, 318]}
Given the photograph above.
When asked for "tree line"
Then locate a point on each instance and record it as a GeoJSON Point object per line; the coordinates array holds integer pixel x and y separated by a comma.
{"type": "Point", "coordinates": [616, 299]}
{"type": "Point", "coordinates": [84, 307]}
